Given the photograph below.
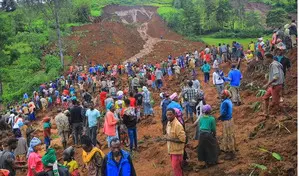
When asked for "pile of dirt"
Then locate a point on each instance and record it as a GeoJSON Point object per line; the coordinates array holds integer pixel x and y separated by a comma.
{"type": "Point", "coordinates": [106, 41]}
{"type": "Point", "coordinates": [115, 41]}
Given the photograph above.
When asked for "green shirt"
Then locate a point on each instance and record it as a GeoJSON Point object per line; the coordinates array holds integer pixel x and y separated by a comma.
{"type": "Point", "coordinates": [207, 123]}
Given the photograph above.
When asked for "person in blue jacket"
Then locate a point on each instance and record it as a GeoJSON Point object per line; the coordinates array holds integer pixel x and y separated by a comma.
{"type": "Point", "coordinates": [235, 77]}
{"type": "Point", "coordinates": [117, 162]}
{"type": "Point", "coordinates": [226, 112]}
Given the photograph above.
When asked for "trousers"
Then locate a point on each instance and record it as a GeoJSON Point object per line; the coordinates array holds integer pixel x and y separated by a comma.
{"type": "Point", "coordinates": [176, 163]}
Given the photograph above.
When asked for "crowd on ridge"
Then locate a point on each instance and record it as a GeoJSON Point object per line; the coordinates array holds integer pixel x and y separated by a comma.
{"type": "Point", "coordinates": [94, 97]}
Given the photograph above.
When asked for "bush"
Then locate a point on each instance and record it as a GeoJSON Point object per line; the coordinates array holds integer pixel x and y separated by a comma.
{"type": "Point", "coordinates": [52, 62]}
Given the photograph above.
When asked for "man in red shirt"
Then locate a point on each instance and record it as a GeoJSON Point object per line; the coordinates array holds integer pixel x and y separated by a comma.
{"type": "Point", "coordinates": [132, 100]}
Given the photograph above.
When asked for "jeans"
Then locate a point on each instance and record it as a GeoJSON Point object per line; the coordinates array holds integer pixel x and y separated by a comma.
{"type": "Point", "coordinates": [207, 77]}
{"type": "Point", "coordinates": [92, 134]}
{"type": "Point", "coordinates": [133, 137]}
{"type": "Point", "coordinates": [77, 132]}
{"type": "Point", "coordinates": [47, 142]}
{"type": "Point", "coordinates": [159, 83]}
{"type": "Point", "coordinates": [189, 110]}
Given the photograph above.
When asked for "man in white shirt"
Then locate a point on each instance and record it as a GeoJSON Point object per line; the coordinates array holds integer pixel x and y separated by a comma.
{"type": "Point", "coordinates": [218, 81]}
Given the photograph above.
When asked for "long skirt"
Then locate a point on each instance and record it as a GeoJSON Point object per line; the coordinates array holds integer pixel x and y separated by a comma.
{"type": "Point", "coordinates": [228, 143]}
{"type": "Point", "coordinates": [208, 149]}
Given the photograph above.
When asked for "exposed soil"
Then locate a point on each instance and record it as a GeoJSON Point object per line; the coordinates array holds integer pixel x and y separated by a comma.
{"type": "Point", "coordinates": [130, 32]}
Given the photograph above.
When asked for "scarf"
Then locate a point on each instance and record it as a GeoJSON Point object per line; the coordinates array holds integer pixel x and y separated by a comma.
{"type": "Point", "coordinates": [109, 105]}
{"type": "Point", "coordinates": [34, 142]}
{"type": "Point", "coordinates": [88, 156]}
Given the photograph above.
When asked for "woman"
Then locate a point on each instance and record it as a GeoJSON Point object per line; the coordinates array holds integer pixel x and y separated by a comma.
{"type": "Point", "coordinates": [35, 164]}
{"type": "Point", "coordinates": [148, 110]}
{"type": "Point", "coordinates": [110, 123]}
{"type": "Point", "coordinates": [208, 149]}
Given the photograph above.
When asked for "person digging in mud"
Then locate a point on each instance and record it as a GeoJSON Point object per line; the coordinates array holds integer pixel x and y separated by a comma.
{"type": "Point", "coordinates": [92, 157]}
{"type": "Point", "coordinates": [176, 138]}
{"type": "Point", "coordinates": [226, 112]}
{"type": "Point", "coordinates": [117, 161]}
{"type": "Point", "coordinates": [274, 85]}
{"type": "Point", "coordinates": [208, 149]}
{"type": "Point", "coordinates": [70, 162]}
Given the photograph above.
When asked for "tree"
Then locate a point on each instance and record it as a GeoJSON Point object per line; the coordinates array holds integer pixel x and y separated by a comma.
{"type": "Point", "coordinates": [253, 20]}
{"type": "Point", "coordinates": [177, 4]}
{"type": "Point", "coordinates": [223, 12]}
{"type": "Point", "coordinates": [276, 18]}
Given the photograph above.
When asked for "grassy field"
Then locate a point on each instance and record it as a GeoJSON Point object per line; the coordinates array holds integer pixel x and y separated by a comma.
{"type": "Point", "coordinates": [214, 41]}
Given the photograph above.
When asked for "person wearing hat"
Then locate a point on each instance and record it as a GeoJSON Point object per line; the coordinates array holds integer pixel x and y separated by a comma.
{"type": "Point", "coordinates": [235, 77]}
{"type": "Point", "coordinates": [63, 126]}
{"type": "Point", "coordinates": [174, 102]}
{"type": "Point", "coordinates": [7, 158]}
{"type": "Point", "coordinates": [51, 166]}
{"type": "Point", "coordinates": [34, 159]}
{"type": "Point", "coordinates": [208, 149]}
{"type": "Point", "coordinates": [274, 85]}
{"type": "Point", "coordinates": [164, 103]}
{"type": "Point", "coordinates": [226, 112]}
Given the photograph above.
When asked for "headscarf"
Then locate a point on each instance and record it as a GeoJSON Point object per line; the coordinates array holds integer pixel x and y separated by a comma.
{"type": "Point", "coordinates": [34, 142]}
{"type": "Point", "coordinates": [206, 109]}
{"type": "Point", "coordinates": [144, 89]}
{"type": "Point", "coordinates": [226, 93]}
{"type": "Point", "coordinates": [173, 96]}
{"type": "Point", "coordinates": [49, 158]}
{"type": "Point", "coordinates": [109, 105]}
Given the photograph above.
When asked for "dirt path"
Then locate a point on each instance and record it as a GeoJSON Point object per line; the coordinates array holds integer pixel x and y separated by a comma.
{"type": "Point", "coordinates": [130, 17]}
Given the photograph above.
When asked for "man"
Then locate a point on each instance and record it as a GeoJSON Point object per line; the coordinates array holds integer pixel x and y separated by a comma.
{"type": "Point", "coordinates": [7, 158]}
{"type": "Point", "coordinates": [76, 121]}
{"type": "Point", "coordinates": [130, 120]}
{"type": "Point", "coordinates": [159, 76]}
{"type": "Point", "coordinates": [117, 161]}
{"type": "Point", "coordinates": [176, 138]}
{"type": "Point", "coordinates": [93, 116]}
{"type": "Point", "coordinates": [207, 49]}
{"type": "Point", "coordinates": [226, 111]}
{"type": "Point", "coordinates": [135, 83]}
{"type": "Point", "coordinates": [285, 62]}
{"type": "Point", "coordinates": [62, 123]}
{"type": "Point", "coordinates": [87, 96]}
{"type": "Point", "coordinates": [165, 102]}
{"type": "Point", "coordinates": [274, 85]}
{"type": "Point", "coordinates": [235, 77]}
{"type": "Point", "coordinates": [92, 157]}
{"type": "Point", "coordinates": [293, 33]}
{"type": "Point", "coordinates": [190, 94]}
{"type": "Point", "coordinates": [218, 81]}
{"type": "Point", "coordinates": [223, 49]}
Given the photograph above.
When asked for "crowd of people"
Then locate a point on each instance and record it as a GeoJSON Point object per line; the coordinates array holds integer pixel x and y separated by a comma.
{"type": "Point", "coordinates": [115, 97]}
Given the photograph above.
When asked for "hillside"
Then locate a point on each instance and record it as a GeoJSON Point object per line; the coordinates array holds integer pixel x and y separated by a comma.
{"type": "Point", "coordinates": [277, 134]}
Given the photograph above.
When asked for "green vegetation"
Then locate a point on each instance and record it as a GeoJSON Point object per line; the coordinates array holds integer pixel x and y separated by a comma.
{"type": "Point", "coordinates": [211, 40]}
{"type": "Point", "coordinates": [224, 18]}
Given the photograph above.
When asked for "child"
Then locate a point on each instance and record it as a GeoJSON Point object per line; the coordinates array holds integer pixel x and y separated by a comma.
{"type": "Point", "coordinates": [47, 131]}
{"type": "Point", "coordinates": [69, 161]}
